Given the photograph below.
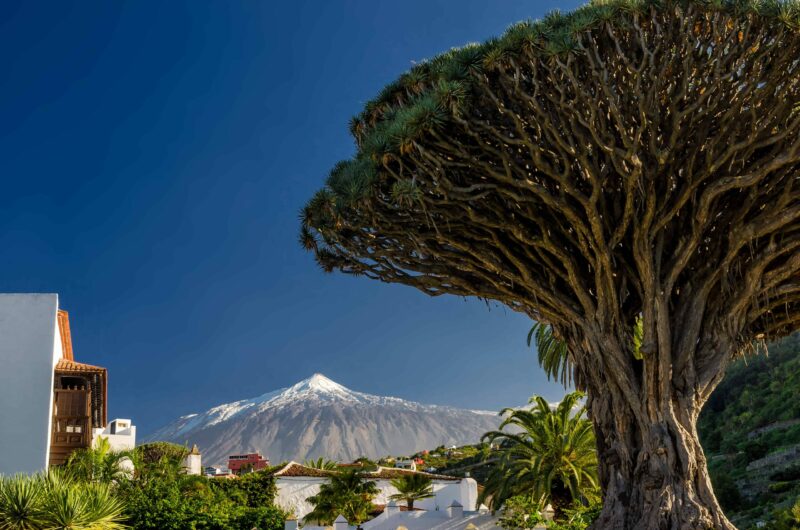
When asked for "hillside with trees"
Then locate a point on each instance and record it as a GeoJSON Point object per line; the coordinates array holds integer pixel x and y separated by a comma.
{"type": "Point", "coordinates": [750, 430]}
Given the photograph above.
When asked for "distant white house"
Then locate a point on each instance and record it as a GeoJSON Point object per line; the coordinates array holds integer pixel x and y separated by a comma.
{"type": "Point", "coordinates": [408, 463]}
{"type": "Point", "coordinates": [50, 404]}
{"type": "Point", "coordinates": [296, 483]}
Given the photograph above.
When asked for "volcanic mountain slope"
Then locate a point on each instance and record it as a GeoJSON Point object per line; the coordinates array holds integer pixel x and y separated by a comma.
{"type": "Point", "coordinates": [318, 417]}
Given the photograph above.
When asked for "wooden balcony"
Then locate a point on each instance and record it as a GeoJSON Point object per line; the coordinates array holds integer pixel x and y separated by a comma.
{"type": "Point", "coordinates": [72, 424]}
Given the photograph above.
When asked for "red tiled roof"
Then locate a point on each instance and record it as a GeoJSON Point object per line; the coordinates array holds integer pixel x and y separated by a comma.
{"type": "Point", "coordinates": [66, 365]}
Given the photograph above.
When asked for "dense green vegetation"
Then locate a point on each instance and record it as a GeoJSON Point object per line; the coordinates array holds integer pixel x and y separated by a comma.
{"type": "Point", "coordinates": [97, 490]}
{"type": "Point", "coordinates": [160, 496]}
{"type": "Point", "coordinates": [753, 414]}
{"type": "Point", "coordinates": [57, 501]}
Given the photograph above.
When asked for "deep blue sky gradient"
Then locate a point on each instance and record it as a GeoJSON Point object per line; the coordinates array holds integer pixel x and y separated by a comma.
{"type": "Point", "coordinates": [153, 159]}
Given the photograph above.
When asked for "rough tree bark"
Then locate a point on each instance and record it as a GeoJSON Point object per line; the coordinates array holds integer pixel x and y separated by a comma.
{"type": "Point", "coordinates": [651, 465]}
{"type": "Point", "coordinates": [632, 160]}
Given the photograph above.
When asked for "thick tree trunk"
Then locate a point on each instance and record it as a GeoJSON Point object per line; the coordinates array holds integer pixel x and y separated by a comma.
{"type": "Point", "coordinates": [652, 468]}
{"type": "Point", "coordinates": [560, 498]}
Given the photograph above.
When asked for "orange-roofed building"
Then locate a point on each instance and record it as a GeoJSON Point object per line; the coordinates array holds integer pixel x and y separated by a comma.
{"type": "Point", "coordinates": [50, 403]}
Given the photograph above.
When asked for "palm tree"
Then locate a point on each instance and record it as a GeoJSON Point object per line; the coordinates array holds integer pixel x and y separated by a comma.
{"type": "Point", "coordinates": [320, 463]}
{"type": "Point", "coordinates": [100, 463]}
{"type": "Point", "coordinates": [347, 493]}
{"type": "Point", "coordinates": [554, 356]}
{"type": "Point", "coordinates": [549, 455]}
{"type": "Point", "coordinates": [411, 488]}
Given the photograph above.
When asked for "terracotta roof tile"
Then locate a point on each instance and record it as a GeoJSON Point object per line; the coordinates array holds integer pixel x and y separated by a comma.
{"type": "Point", "coordinates": [65, 365]}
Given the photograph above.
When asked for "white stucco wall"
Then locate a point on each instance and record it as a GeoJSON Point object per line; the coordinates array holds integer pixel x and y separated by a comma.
{"type": "Point", "coordinates": [117, 442]}
{"type": "Point", "coordinates": [445, 492]}
{"type": "Point", "coordinates": [293, 492]}
{"type": "Point", "coordinates": [30, 346]}
{"type": "Point", "coordinates": [193, 464]}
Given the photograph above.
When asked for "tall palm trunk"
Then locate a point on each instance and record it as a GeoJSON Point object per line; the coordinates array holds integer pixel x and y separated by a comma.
{"type": "Point", "coordinates": [560, 499]}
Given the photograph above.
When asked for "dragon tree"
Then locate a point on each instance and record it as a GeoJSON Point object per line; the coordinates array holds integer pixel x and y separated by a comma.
{"type": "Point", "coordinates": [632, 163]}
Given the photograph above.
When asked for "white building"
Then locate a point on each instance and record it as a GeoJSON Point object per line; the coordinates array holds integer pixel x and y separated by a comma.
{"type": "Point", "coordinates": [401, 463]}
{"type": "Point", "coordinates": [193, 462]}
{"type": "Point", "coordinates": [50, 404]}
{"type": "Point", "coordinates": [120, 433]}
{"type": "Point", "coordinates": [296, 483]}
{"type": "Point", "coordinates": [452, 518]}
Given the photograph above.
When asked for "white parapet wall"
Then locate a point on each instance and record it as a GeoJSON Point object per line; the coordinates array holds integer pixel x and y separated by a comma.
{"type": "Point", "coordinates": [464, 491]}
{"type": "Point", "coordinates": [294, 491]}
{"type": "Point", "coordinates": [120, 433]}
{"type": "Point", "coordinates": [30, 347]}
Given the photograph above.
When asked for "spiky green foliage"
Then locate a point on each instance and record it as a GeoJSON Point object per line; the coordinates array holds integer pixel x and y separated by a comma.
{"type": "Point", "coordinates": [100, 463]}
{"type": "Point", "coordinates": [71, 505]}
{"type": "Point", "coordinates": [552, 353]}
{"type": "Point", "coordinates": [21, 500]}
{"type": "Point", "coordinates": [320, 463]}
{"type": "Point", "coordinates": [411, 488]}
{"type": "Point", "coordinates": [347, 493]}
{"type": "Point", "coordinates": [58, 502]}
{"type": "Point", "coordinates": [547, 454]}
{"type": "Point", "coordinates": [434, 92]}
{"type": "Point", "coordinates": [554, 357]}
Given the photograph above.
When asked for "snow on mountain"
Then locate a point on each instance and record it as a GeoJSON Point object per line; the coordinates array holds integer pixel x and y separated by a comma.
{"type": "Point", "coordinates": [319, 417]}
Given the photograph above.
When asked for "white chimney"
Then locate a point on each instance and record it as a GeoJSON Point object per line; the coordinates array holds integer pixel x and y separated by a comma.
{"type": "Point", "coordinates": [340, 523]}
{"type": "Point", "coordinates": [455, 510]}
{"type": "Point", "coordinates": [392, 509]}
{"type": "Point", "coordinates": [290, 524]}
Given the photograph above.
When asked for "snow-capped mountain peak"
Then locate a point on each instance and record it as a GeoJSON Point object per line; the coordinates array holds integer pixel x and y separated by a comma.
{"type": "Point", "coordinates": [318, 384]}
{"type": "Point", "coordinates": [319, 417]}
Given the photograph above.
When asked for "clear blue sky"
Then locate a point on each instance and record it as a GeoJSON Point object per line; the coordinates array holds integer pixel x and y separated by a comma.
{"type": "Point", "coordinates": [153, 158]}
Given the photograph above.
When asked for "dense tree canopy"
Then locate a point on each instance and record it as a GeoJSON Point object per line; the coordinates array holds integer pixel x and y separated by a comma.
{"type": "Point", "coordinates": [634, 160]}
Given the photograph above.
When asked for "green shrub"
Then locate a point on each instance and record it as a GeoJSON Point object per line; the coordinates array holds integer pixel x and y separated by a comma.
{"type": "Point", "coordinates": [55, 501]}
{"type": "Point", "coordinates": [780, 487]}
{"type": "Point", "coordinates": [790, 473]}
{"type": "Point", "coordinates": [726, 491]}
{"type": "Point", "coordinates": [520, 512]}
{"type": "Point", "coordinates": [254, 490]}
{"type": "Point", "coordinates": [261, 518]}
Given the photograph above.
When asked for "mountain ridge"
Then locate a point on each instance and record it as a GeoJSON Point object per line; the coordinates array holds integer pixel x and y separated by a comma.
{"type": "Point", "coordinates": [319, 417]}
